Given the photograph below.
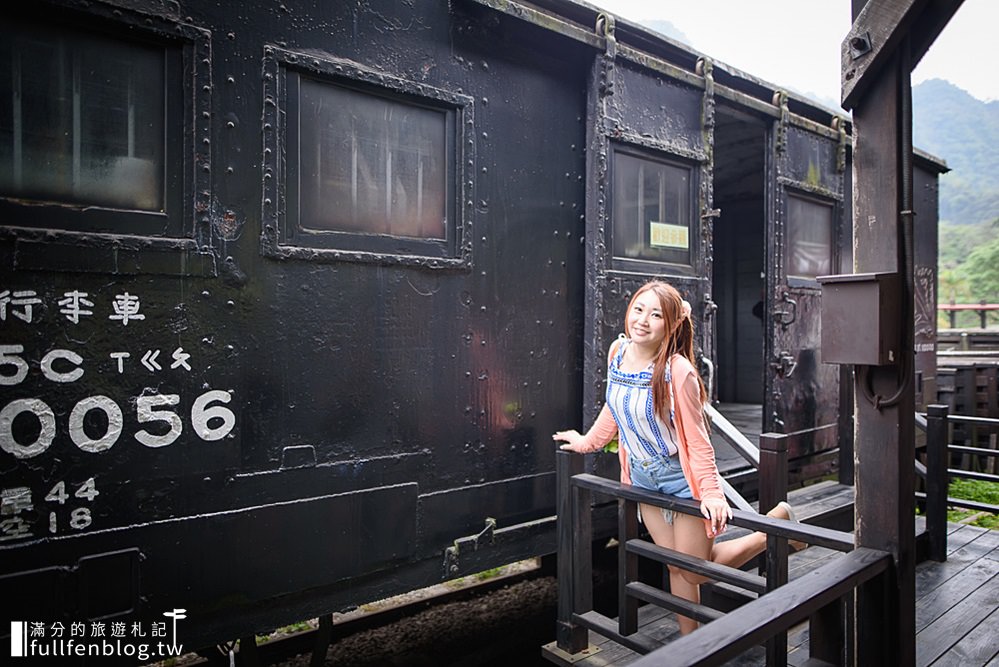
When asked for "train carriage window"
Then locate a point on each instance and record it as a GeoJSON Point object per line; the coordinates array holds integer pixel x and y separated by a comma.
{"type": "Point", "coordinates": [374, 168]}
{"type": "Point", "coordinates": [651, 209]}
{"type": "Point", "coordinates": [374, 165]}
{"type": "Point", "coordinates": [87, 130]}
{"type": "Point", "coordinates": [809, 237]}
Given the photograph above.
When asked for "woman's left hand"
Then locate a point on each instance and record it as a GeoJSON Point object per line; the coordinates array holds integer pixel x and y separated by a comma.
{"type": "Point", "coordinates": [718, 513]}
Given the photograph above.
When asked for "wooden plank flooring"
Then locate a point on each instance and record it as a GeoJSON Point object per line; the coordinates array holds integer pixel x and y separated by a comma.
{"type": "Point", "coordinates": [957, 609]}
{"type": "Point", "coordinates": [956, 618]}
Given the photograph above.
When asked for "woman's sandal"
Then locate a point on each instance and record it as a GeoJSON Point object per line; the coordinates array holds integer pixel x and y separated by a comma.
{"type": "Point", "coordinates": [793, 545]}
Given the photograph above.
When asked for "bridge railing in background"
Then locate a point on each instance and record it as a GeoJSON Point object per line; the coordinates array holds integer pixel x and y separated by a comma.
{"type": "Point", "coordinates": [982, 308]}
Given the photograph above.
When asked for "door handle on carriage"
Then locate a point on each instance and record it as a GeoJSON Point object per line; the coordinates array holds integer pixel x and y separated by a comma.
{"type": "Point", "coordinates": [709, 306]}
{"type": "Point", "coordinates": [784, 364]}
{"type": "Point", "coordinates": [787, 317]}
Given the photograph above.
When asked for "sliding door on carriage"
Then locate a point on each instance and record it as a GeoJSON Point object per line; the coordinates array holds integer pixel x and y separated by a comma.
{"type": "Point", "coordinates": [644, 204]}
{"type": "Point", "coordinates": [805, 224]}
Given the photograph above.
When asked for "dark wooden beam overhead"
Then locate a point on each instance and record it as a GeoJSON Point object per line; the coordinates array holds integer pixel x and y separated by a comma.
{"type": "Point", "coordinates": [929, 25]}
{"type": "Point", "coordinates": [876, 33]}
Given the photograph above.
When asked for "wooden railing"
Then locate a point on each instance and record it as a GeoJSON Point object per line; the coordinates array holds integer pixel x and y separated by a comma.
{"type": "Point", "coordinates": [741, 444]}
{"type": "Point", "coordinates": [818, 596]}
{"type": "Point", "coordinates": [774, 487]}
{"type": "Point", "coordinates": [937, 473]}
{"type": "Point", "coordinates": [733, 436]}
{"type": "Point", "coordinates": [822, 596]}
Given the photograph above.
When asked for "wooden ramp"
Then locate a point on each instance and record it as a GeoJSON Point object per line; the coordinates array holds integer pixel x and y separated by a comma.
{"type": "Point", "coordinates": [957, 610]}
{"type": "Point", "coordinates": [745, 417]}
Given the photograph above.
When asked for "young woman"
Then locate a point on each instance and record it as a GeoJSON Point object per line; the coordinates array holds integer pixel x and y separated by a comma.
{"type": "Point", "coordinates": [655, 403]}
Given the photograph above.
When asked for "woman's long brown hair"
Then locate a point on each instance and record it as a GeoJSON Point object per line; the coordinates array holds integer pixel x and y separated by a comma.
{"type": "Point", "coordinates": [679, 339]}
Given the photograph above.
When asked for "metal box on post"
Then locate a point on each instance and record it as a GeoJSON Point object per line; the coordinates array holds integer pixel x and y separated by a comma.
{"type": "Point", "coordinates": [860, 318]}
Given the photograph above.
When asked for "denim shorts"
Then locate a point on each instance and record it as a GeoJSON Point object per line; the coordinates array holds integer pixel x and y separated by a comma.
{"type": "Point", "coordinates": [662, 474]}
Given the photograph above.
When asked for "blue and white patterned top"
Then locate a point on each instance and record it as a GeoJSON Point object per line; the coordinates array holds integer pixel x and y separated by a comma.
{"type": "Point", "coordinates": [629, 396]}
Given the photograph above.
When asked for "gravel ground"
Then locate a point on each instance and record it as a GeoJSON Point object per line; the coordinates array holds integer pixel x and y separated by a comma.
{"type": "Point", "coordinates": [506, 627]}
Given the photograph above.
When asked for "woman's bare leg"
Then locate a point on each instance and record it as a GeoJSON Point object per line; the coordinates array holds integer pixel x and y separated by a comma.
{"type": "Point", "coordinates": [687, 535]}
{"type": "Point", "coordinates": [689, 538]}
{"type": "Point", "coordinates": [741, 550]}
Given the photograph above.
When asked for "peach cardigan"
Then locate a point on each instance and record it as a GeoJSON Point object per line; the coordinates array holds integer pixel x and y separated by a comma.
{"type": "Point", "coordinates": [697, 456]}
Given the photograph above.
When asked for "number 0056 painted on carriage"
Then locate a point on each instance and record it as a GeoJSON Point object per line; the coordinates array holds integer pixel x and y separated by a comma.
{"type": "Point", "coordinates": [150, 408]}
{"type": "Point", "coordinates": [209, 420]}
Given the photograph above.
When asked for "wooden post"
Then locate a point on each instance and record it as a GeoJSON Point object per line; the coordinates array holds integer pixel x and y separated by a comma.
{"type": "Point", "coordinates": [964, 404]}
{"type": "Point", "coordinates": [991, 410]}
{"type": "Point", "coordinates": [574, 528]}
{"type": "Point", "coordinates": [844, 426]}
{"type": "Point", "coordinates": [885, 396]}
{"type": "Point", "coordinates": [249, 654]}
{"type": "Point", "coordinates": [773, 489]}
{"type": "Point", "coordinates": [627, 566]}
{"type": "Point", "coordinates": [993, 444]}
{"type": "Point", "coordinates": [773, 470]}
{"type": "Point", "coordinates": [827, 640]}
{"type": "Point", "coordinates": [324, 636]}
{"type": "Point", "coordinates": [582, 551]}
{"type": "Point", "coordinates": [936, 481]}
{"type": "Point", "coordinates": [878, 636]}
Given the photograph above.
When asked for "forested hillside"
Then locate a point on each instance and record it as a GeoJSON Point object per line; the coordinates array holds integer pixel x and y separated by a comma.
{"type": "Point", "coordinates": [964, 131]}
{"type": "Point", "coordinates": [950, 123]}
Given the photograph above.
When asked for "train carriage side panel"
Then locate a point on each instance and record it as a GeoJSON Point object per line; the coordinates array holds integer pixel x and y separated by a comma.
{"type": "Point", "coordinates": [646, 169]}
{"type": "Point", "coordinates": [255, 414]}
{"type": "Point", "coordinates": [926, 195]}
{"type": "Point", "coordinates": [809, 219]}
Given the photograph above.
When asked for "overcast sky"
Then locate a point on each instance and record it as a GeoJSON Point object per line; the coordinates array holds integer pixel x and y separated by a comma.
{"type": "Point", "coordinates": [796, 43]}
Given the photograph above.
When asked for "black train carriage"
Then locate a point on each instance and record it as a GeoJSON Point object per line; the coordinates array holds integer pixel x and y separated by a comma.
{"type": "Point", "coordinates": [294, 294]}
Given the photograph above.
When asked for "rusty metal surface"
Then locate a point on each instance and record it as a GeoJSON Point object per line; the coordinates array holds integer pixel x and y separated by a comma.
{"type": "Point", "coordinates": [626, 109]}
{"type": "Point", "coordinates": [219, 418]}
{"type": "Point", "coordinates": [802, 392]}
{"type": "Point", "coordinates": [279, 425]}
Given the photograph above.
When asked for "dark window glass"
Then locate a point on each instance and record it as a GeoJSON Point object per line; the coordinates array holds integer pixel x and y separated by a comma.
{"type": "Point", "coordinates": [81, 119]}
{"type": "Point", "coordinates": [370, 164]}
{"type": "Point", "coordinates": [809, 237]}
{"type": "Point", "coordinates": [651, 214]}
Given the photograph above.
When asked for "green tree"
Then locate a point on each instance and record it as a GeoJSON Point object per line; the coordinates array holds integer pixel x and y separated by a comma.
{"type": "Point", "coordinates": [957, 241]}
{"type": "Point", "coordinates": [980, 271]}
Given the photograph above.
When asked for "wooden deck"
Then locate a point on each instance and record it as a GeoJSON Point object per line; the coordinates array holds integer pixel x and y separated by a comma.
{"type": "Point", "coordinates": [957, 609]}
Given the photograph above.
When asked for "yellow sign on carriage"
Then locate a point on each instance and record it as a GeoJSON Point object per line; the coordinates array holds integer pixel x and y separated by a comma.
{"type": "Point", "coordinates": [662, 235]}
